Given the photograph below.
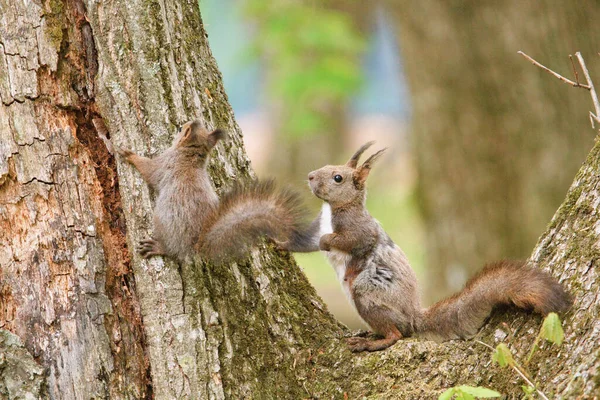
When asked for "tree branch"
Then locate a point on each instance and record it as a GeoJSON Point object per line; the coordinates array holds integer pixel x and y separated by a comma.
{"type": "Point", "coordinates": [586, 73]}
{"type": "Point", "coordinates": [557, 75]}
{"type": "Point", "coordinates": [574, 69]}
{"type": "Point", "coordinates": [589, 86]}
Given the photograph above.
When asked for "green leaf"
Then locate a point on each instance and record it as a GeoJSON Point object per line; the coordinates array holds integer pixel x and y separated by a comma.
{"type": "Point", "coordinates": [465, 392]}
{"type": "Point", "coordinates": [529, 391]}
{"type": "Point", "coordinates": [479, 391]}
{"type": "Point", "coordinates": [447, 395]}
{"type": "Point", "coordinates": [503, 356]}
{"type": "Point", "coordinates": [552, 329]}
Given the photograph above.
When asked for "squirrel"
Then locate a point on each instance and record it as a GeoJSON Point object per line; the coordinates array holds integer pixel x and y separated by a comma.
{"type": "Point", "coordinates": [189, 216]}
{"type": "Point", "coordinates": [381, 285]}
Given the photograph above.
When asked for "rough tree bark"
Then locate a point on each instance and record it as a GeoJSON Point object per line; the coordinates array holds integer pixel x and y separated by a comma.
{"type": "Point", "coordinates": [101, 321]}
{"type": "Point", "coordinates": [82, 316]}
{"type": "Point", "coordinates": [496, 144]}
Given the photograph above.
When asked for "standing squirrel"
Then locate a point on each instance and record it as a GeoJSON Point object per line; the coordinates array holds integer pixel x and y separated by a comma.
{"type": "Point", "coordinates": [380, 283]}
{"type": "Point", "coordinates": [188, 215]}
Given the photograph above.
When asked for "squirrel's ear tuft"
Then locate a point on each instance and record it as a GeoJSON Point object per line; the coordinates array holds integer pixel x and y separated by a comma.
{"type": "Point", "coordinates": [187, 130]}
{"type": "Point", "coordinates": [184, 132]}
{"type": "Point", "coordinates": [353, 161]}
{"type": "Point", "coordinates": [362, 173]}
{"type": "Point", "coordinates": [215, 136]}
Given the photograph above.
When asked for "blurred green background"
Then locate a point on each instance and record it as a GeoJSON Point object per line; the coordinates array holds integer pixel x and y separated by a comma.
{"type": "Point", "coordinates": [482, 145]}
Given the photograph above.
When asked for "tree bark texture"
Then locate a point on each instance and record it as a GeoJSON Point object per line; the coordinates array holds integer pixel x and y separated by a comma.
{"type": "Point", "coordinates": [66, 287]}
{"type": "Point", "coordinates": [99, 320]}
{"type": "Point", "coordinates": [82, 316]}
{"type": "Point", "coordinates": [496, 143]}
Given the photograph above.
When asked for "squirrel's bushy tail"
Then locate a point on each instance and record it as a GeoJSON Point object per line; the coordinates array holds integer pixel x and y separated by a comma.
{"type": "Point", "coordinates": [503, 282]}
{"type": "Point", "coordinates": [248, 213]}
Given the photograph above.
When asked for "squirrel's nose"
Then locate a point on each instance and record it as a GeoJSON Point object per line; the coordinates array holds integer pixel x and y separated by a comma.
{"type": "Point", "coordinates": [311, 176]}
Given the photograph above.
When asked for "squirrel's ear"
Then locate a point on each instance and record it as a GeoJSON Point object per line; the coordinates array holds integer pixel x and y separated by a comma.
{"type": "Point", "coordinates": [215, 136]}
{"type": "Point", "coordinates": [362, 173]}
{"type": "Point", "coordinates": [353, 161]}
{"type": "Point", "coordinates": [185, 132]}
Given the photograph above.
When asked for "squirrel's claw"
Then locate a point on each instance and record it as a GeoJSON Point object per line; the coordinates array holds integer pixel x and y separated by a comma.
{"type": "Point", "coordinates": [357, 344]}
{"type": "Point", "coordinates": [149, 247]}
{"type": "Point", "coordinates": [282, 244]}
{"type": "Point", "coordinates": [354, 340]}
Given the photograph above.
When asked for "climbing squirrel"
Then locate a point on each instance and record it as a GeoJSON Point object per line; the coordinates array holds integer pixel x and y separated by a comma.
{"type": "Point", "coordinates": [189, 216]}
{"type": "Point", "coordinates": [378, 279]}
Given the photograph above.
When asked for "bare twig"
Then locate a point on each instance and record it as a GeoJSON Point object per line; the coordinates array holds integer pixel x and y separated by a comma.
{"type": "Point", "coordinates": [485, 344]}
{"type": "Point", "coordinates": [586, 73]}
{"type": "Point", "coordinates": [522, 375]}
{"type": "Point", "coordinates": [562, 78]}
{"type": "Point", "coordinates": [574, 69]}
{"type": "Point", "coordinates": [590, 85]}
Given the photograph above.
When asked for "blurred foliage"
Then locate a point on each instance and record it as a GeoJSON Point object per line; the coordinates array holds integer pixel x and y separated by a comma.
{"type": "Point", "coordinates": [313, 60]}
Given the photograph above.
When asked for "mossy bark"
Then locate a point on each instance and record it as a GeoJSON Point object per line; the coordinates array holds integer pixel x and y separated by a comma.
{"type": "Point", "coordinates": [98, 321]}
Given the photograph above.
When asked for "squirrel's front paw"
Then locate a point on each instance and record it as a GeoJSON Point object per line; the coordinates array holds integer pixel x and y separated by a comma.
{"type": "Point", "coordinates": [324, 242]}
{"type": "Point", "coordinates": [281, 244]}
{"type": "Point", "coordinates": [150, 247]}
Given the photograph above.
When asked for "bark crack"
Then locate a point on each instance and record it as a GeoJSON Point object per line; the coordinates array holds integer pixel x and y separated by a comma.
{"type": "Point", "coordinates": [7, 102]}
{"type": "Point", "coordinates": [32, 180]}
{"type": "Point", "coordinates": [82, 232]}
{"type": "Point", "coordinates": [67, 92]}
{"type": "Point", "coordinates": [183, 305]}
{"type": "Point", "coordinates": [34, 139]}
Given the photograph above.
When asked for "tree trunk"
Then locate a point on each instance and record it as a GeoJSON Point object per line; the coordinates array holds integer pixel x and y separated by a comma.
{"type": "Point", "coordinates": [496, 143]}
{"type": "Point", "coordinates": [82, 316]}
{"type": "Point", "coordinates": [101, 321]}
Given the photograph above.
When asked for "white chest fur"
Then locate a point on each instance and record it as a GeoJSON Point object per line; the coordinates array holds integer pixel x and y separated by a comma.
{"type": "Point", "coordinates": [337, 259]}
{"type": "Point", "coordinates": [326, 223]}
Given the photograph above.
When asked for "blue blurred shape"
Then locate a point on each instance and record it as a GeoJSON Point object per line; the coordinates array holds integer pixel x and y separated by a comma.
{"type": "Point", "coordinates": [230, 39]}
{"type": "Point", "coordinates": [384, 90]}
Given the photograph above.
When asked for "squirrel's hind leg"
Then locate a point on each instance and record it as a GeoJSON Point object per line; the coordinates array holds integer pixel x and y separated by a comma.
{"type": "Point", "coordinates": [150, 247]}
{"type": "Point", "coordinates": [358, 344]}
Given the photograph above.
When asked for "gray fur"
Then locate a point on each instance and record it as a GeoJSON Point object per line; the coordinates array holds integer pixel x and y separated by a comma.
{"type": "Point", "coordinates": [380, 283]}
{"type": "Point", "coordinates": [188, 215]}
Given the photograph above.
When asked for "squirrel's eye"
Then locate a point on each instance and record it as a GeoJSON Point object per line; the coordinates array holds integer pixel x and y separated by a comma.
{"type": "Point", "coordinates": [338, 178]}
{"type": "Point", "coordinates": [178, 129]}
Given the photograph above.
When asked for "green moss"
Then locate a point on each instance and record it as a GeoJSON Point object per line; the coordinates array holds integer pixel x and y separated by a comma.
{"type": "Point", "coordinates": [55, 23]}
{"type": "Point", "coordinates": [21, 377]}
{"type": "Point", "coordinates": [596, 379]}
{"type": "Point", "coordinates": [247, 321]}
